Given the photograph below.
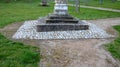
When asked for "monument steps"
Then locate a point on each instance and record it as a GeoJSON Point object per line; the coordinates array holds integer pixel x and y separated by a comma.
{"type": "Point", "coordinates": [61, 21]}
{"type": "Point", "coordinates": [61, 27]}
{"type": "Point", "coordinates": [60, 17]}
{"type": "Point", "coordinates": [55, 16]}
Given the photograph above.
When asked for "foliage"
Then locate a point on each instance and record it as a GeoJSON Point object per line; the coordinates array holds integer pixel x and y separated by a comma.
{"type": "Point", "coordinates": [15, 54]}
{"type": "Point", "coordinates": [114, 47]}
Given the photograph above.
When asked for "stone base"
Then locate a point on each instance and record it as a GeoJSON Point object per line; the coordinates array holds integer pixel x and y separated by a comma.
{"type": "Point", "coordinates": [28, 31]}
{"type": "Point", "coordinates": [54, 18]}
{"type": "Point", "coordinates": [55, 22]}
{"type": "Point", "coordinates": [61, 27]}
{"type": "Point", "coordinates": [44, 26]}
{"type": "Point", "coordinates": [61, 21]}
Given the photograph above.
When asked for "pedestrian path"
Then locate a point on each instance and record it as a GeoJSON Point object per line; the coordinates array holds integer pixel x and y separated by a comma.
{"type": "Point", "coordinates": [98, 8]}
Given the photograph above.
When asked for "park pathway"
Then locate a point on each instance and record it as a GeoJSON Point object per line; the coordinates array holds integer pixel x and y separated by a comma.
{"type": "Point", "coordinates": [98, 8]}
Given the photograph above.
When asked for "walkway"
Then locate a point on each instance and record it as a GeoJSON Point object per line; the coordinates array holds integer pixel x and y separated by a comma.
{"type": "Point", "coordinates": [98, 8]}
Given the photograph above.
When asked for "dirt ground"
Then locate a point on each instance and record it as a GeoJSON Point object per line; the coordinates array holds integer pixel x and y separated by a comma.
{"type": "Point", "coordinates": [73, 53]}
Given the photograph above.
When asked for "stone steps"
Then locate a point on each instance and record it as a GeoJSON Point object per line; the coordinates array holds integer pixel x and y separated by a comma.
{"type": "Point", "coordinates": [60, 17]}
{"type": "Point", "coordinates": [61, 21]}
{"type": "Point", "coordinates": [61, 27]}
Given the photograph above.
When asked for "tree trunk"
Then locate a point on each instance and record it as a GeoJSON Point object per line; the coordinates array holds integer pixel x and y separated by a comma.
{"type": "Point", "coordinates": [44, 3]}
{"type": "Point", "coordinates": [101, 1]}
{"type": "Point", "coordinates": [77, 5]}
{"type": "Point", "coordinates": [7, 1]}
{"type": "Point", "coordinates": [114, 0]}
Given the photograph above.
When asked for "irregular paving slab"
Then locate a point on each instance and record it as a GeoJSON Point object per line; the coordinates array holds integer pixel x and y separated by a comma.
{"type": "Point", "coordinates": [28, 31]}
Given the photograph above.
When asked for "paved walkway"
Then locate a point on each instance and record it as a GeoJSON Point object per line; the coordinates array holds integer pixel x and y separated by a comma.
{"type": "Point", "coordinates": [98, 8]}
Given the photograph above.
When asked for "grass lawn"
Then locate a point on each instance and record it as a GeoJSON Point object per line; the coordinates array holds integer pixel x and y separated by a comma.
{"type": "Point", "coordinates": [15, 54]}
{"type": "Point", "coordinates": [114, 47]}
{"type": "Point", "coordinates": [106, 3]}
{"type": "Point", "coordinates": [15, 12]}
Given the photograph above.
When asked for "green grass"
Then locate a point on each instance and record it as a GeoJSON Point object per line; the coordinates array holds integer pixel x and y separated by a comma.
{"type": "Point", "coordinates": [15, 54]}
{"type": "Point", "coordinates": [88, 14]}
{"type": "Point", "coordinates": [114, 47]}
{"type": "Point", "coordinates": [106, 4]}
{"type": "Point", "coordinates": [16, 12]}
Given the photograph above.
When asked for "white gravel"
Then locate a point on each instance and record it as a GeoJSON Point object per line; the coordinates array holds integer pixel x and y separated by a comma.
{"type": "Point", "coordinates": [28, 31]}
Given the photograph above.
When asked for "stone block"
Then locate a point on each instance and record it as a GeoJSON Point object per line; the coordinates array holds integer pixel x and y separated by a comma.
{"type": "Point", "coordinates": [61, 27]}
{"type": "Point", "coordinates": [61, 21]}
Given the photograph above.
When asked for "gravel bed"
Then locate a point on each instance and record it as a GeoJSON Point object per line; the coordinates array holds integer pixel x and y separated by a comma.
{"type": "Point", "coordinates": [28, 31]}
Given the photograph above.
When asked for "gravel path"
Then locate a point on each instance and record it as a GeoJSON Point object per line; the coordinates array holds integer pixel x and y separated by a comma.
{"type": "Point", "coordinates": [73, 53]}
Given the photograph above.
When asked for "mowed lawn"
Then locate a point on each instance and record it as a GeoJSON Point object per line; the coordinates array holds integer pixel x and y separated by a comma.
{"type": "Point", "coordinates": [105, 3]}
{"type": "Point", "coordinates": [16, 12]}
{"type": "Point", "coordinates": [16, 54]}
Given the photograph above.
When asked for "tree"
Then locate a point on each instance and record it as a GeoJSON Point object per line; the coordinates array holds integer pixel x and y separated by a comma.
{"type": "Point", "coordinates": [114, 0]}
{"type": "Point", "coordinates": [77, 5]}
{"type": "Point", "coordinates": [101, 1]}
{"type": "Point", "coordinates": [7, 1]}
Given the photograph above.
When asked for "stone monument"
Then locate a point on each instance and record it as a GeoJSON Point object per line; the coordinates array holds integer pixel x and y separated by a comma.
{"type": "Point", "coordinates": [60, 20]}
{"type": "Point", "coordinates": [61, 7]}
{"type": "Point", "coordinates": [59, 25]}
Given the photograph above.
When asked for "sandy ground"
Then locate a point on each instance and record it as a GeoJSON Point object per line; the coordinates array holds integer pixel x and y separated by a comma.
{"type": "Point", "coordinates": [73, 53]}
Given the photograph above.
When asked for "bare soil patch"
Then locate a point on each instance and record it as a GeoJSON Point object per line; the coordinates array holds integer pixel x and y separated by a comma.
{"type": "Point", "coordinates": [73, 53]}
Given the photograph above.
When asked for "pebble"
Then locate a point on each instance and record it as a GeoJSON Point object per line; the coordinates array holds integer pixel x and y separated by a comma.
{"type": "Point", "coordinates": [28, 30]}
